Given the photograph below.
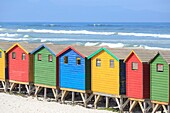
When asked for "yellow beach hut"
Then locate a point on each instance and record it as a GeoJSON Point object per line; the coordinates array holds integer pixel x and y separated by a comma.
{"type": "Point", "coordinates": [3, 63]}
{"type": "Point", "coordinates": [108, 72]}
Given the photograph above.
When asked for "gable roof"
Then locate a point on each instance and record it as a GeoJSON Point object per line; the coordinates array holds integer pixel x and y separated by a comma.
{"type": "Point", "coordinates": [52, 48]}
{"type": "Point", "coordinates": [144, 55]}
{"type": "Point", "coordinates": [117, 53]}
{"type": "Point", "coordinates": [5, 45]}
{"type": "Point", "coordinates": [165, 54]}
{"type": "Point", "coordinates": [83, 51]}
{"type": "Point", "coordinates": [27, 47]}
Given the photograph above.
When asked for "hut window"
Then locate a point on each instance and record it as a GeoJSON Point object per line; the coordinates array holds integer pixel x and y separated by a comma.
{"type": "Point", "coordinates": [13, 55]}
{"type": "Point", "coordinates": [0, 54]}
{"type": "Point", "coordinates": [98, 62]}
{"type": "Point", "coordinates": [134, 66]}
{"type": "Point", "coordinates": [111, 63]}
{"type": "Point", "coordinates": [50, 58]}
{"type": "Point", "coordinates": [39, 57]}
{"type": "Point", "coordinates": [160, 67]}
{"type": "Point", "coordinates": [23, 56]}
{"type": "Point", "coordinates": [78, 61]}
{"type": "Point", "coordinates": [66, 60]}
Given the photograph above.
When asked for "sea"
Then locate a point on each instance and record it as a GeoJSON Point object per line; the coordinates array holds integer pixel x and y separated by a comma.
{"type": "Point", "coordinates": [122, 34]}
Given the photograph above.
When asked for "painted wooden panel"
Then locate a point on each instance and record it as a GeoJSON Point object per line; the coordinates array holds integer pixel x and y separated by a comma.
{"type": "Point", "coordinates": [44, 71]}
{"type": "Point", "coordinates": [72, 75]}
{"type": "Point", "coordinates": [2, 65]}
{"type": "Point", "coordinates": [18, 68]}
{"type": "Point", "coordinates": [159, 80]}
{"type": "Point", "coordinates": [104, 78]}
{"type": "Point", "coordinates": [122, 77]}
{"type": "Point", "coordinates": [134, 79]}
{"type": "Point", "coordinates": [146, 80]}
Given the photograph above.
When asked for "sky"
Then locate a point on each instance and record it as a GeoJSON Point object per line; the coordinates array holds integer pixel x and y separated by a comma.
{"type": "Point", "coordinates": [84, 10]}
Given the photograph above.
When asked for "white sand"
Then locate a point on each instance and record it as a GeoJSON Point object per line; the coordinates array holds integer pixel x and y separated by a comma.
{"type": "Point", "coordinates": [18, 104]}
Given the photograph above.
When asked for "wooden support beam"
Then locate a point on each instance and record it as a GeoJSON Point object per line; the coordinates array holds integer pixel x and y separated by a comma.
{"type": "Point", "coordinates": [126, 102]}
{"type": "Point", "coordinates": [164, 109]}
{"type": "Point", "coordinates": [168, 108]}
{"type": "Point", "coordinates": [36, 90]}
{"type": "Point", "coordinates": [118, 103]}
{"type": "Point", "coordinates": [132, 106]}
{"type": "Point", "coordinates": [19, 87]}
{"type": "Point", "coordinates": [107, 102]}
{"type": "Point", "coordinates": [64, 94]}
{"type": "Point", "coordinates": [155, 108]}
{"type": "Point", "coordinates": [73, 95]}
{"type": "Point", "coordinates": [45, 93]}
{"type": "Point", "coordinates": [141, 106]}
{"type": "Point", "coordinates": [96, 101]}
{"type": "Point", "coordinates": [54, 93]}
{"type": "Point", "coordinates": [3, 84]}
{"type": "Point", "coordinates": [121, 105]}
{"type": "Point", "coordinates": [12, 86]}
{"type": "Point", "coordinates": [90, 97]}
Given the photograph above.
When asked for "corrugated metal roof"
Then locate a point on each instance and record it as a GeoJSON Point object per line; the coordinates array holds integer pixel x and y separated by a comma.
{"type": "Point", "coordinates": [29, 46]}
{"type": "Point", "coordinates": [5, 45]}
{"type": "Point", "coordinates": [86, 50]}
{"type": "Point", "coordinates": [120, 53]}
{"type": "Point", "coordinates": [165, 55]}
{"type": "Point", "coordinates": [145, 55]}
{"type": "Point", "coordinates": [56, 48]}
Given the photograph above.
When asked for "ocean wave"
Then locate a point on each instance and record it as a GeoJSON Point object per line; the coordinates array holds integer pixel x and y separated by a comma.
{"type": "Point", "coordinates": [113, 45]}
{"type": "Point", "coordinates": [8, 35]}
{"type": "Point", "coordinates": [66, 31]}
{"type": "Point", "coordinates": [91, 44]}
{"type": "Point", "coordinates": [145, 35]}
{"type": "Point", "coordinates": [85, 32]}
{"type": "Point", "coordinates": [14, 39]}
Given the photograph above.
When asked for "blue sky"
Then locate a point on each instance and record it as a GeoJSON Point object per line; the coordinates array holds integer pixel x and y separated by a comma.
{"type": "Point", "coordinates": [85, 10]}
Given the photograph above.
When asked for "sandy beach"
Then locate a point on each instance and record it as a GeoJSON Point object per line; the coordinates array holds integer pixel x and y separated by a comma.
{"type": "Point", "coordinates": [17, 104]}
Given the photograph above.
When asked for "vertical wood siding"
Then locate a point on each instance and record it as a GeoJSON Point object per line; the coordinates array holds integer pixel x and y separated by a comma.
{"type": "Point", "coordinates": [72, 75]}
{"type": "Point", "coordinates": [18, 68]}
{"type": "Point", "coordinates": [134, 79]}
{"type": "Point", "coordinates": [104, 78]}
{"type": "Point", "coordinates": [122, 77]}
{"type": "Point", "coordinates": [159, 81]}
{"type": "Point", "coordinates": [146, 80]}
{"type": "Point", "coordinates": [2, 66]}
{"type": "Point", "coordinates": [44, 71]}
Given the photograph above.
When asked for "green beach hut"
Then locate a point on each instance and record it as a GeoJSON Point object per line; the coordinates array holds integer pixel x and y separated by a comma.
{"type": "Point", "coordinates": [160, 78]}
{"type": "Point", "coordinates": [45, 68]}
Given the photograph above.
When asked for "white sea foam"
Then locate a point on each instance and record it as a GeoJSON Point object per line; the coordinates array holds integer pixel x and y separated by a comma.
{"type": "Point", "coordinates": [8, 35]}
{"type": "Point", "coordinates": [91, 44]}
{"type": "Point", "coordinates": [113, 45]}
{"type": "Point", "coordinates": [145, 35]}
{"type": "Point", "coordinates": [93, 33]}
{"type": "Point", "coordinates": [66, 31]}
{"type": "Point", "coordinates": [14, 39]}
{"type": "Point", "coordinates": [26, 36]}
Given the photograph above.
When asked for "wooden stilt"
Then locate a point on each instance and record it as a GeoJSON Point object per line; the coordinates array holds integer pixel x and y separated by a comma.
{"type": "Point", "coordinates": [107, 102]}
{"type": "Point", "coordinates": [12, 86]}
{"type": "Point", "coordinates": [121, 105]}
{"type": "Point", "coordinates": [168, 108]}
{"type": "Point", "coordinates": [132, 106]}
{"type": "Point", "coordinates": [64, 94]}
{"type": "Point", "coordinates": [155, 108]}
{"type": "Point", "coordinates": [73, 95]}
{"type": "Point", "coordinates": [45, 93]}
{"type": "Point", "coordinates": [19, 88]}
{"type": "Point", "coordinates": [96, 101]}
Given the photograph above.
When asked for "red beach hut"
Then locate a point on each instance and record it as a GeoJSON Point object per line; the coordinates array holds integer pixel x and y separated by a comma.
{"type": "Point", "coordinates": [138, 73]}
{"type": "Point", "coordinates": [20, 64]}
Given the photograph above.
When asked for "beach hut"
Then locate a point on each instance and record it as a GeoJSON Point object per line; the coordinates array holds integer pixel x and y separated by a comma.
{"type": "Point", "coordinates": [20, 65]}
{"type": "Point", "coordinates": [160, 80]}
{"type": "Point", "coordinates": [75, 71]}
{"type": "Point", "coordinates": [108, 73]}
{"type": "Point", "coordinates": [45, 67]}
{"type": "Point", "coordinates": [138, 75]}
{"type": "Point", "coordinates": [3, 64]}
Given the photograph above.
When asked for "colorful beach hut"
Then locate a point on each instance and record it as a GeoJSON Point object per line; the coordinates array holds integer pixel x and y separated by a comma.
{"type": "Point", "coordinates": [45, 67]}
{"type": "Point", "coordinates": [20, 64]}
{"type": "Point", "coordinates": [108, 72]}
{"type": "Point", "coordinates": [160, 79]}
{"type": "Point", "coordinates": [75, 70]}
{"type": "Point", "coordinates": [3, 63]}
{"type": "Point", "coordinates": [138, 75]}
